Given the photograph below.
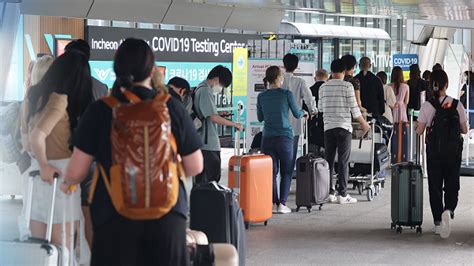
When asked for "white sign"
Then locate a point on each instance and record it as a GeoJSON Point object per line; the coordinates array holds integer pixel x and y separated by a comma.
{"type": "Point", "coordinates": [256, 73]}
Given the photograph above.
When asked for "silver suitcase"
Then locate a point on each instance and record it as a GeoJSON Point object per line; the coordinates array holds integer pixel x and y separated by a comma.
{"type": "Point", "coordinates": [34, 251]}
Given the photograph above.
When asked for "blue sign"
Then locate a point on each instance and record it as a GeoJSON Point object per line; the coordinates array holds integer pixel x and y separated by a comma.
{"type": "Point", "coordinates": [404, 60]}
{"type": "Point", "coordinates": [193, 72]}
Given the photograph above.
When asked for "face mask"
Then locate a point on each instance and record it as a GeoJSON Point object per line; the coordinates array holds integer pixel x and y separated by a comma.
{"type": "Point", "coordinates": [217, 88]}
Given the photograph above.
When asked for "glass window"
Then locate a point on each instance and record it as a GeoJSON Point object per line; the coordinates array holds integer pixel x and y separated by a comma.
{"type": "Point", "coordinates": [372, 49]}
{"type": "Point", "coordinates": [145, 25]}
{"type": "Point", "coordinates": [169, 27]}
{"type": "Point", "coordinates": [384, 24]}
{"type": "Point", "coordinates": [98, 22]}
{"type": "Point", "coordinates": [330, 6]}
{"type": "Point", "coordinates": [371, 23]}
{"type": "Point", "coordinates": [345, 47]}
{"type": "Point", "coordinates": [383, 56]}
{"type": "Point", "coordinates": [317, 18]}
{"type": "Point", "coordinates": [395, 34]}
{"type": "Point", "coordinates": [316, 4]}
{"type": "Point", "coordinates": [357, 22]}
{"type": "Point", "coordinates": [301, 17]}
{"type": "Point", "coordinates": [123, 24]}
{"type": "Point", "coordinates": [328, 53]}
{"type": "Point", "coordinates": [345, 21]}
{"type": "Point", "coordinates": [358, 48]}
{"type": "Point", "coordinates": [330, 20]}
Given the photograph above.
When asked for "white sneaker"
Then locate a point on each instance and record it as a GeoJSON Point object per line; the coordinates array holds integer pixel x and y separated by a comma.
{"type": "Point", "coordinates": [347, 199]}
{"type": "Point", "coordinates": [283, 209]}
{"type": "Point", "coordinates": [445, 224]}
{"type": "Point", "coordinates": [437, 229]}
{"type": "Point", "coordinates": [332, 198]}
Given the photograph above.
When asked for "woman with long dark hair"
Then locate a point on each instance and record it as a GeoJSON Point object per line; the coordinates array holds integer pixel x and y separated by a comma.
{"type": "Point", "coordinates": [443, 150]}
{"type": "Point", "coordinates": [119, 240]}
{"type": "Point", "coordinates": [402, 93]}
{"type": "Point", "coordinates": [52, 109]}
{"type": "Point", "coordinates": [272, 108]}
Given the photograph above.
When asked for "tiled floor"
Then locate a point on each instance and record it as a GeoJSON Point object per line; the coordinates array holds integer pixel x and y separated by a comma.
{"type": "Point", "coordinates": [340, 234]}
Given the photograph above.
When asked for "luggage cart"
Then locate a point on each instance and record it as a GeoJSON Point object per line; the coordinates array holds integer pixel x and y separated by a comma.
{"type": "Point", "coordinates": [370, 180]}
{"type": "Point", "coordinates": [373, 182]}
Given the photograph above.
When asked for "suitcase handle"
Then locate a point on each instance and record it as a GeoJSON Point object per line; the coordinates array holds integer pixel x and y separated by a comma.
{"type": "Point", "coordinates": [49, 226]}
{"type": "Point", "coordinates": [237, 134]}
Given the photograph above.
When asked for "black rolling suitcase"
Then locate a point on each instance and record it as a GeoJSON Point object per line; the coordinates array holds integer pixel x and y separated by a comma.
{"type": "Point", "coordinates": [312, 182]}
{"type": "Point", "coordinates": [215, 211]}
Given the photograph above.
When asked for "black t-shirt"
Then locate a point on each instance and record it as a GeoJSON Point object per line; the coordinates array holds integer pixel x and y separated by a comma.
{"type": "Point", "coordinates": [416, 87]}
{"type": "Point", "coordinates": [92, 136]}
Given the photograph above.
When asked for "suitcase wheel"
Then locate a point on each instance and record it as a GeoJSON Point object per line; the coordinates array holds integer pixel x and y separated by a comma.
{"type": "Point", "coordinates": [419, 230]}
{"type": "Point", "coordinates": [321, 207]}
{"type": "Point", "coordinates": [399, 230]}
{"type": "Point", "coordinates": [370, 194]}
{"type": "Point", "coordinates": [265, 223]}
{"type": "Point", "coordinates": [247, 225]}
{"type": "Point", "coordinates": [309, 209]}
{"type": "Point", "coordinates": [297, 208]}
{"type": "Point", "coordinates": [393, 226]}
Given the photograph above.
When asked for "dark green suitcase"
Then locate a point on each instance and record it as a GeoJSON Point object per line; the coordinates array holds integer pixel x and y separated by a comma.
{"type": "Point", "coordinates": [407, 196]}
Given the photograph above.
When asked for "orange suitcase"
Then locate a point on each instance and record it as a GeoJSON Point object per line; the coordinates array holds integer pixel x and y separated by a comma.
{"type": "Point", "coordinates": [251, 177]}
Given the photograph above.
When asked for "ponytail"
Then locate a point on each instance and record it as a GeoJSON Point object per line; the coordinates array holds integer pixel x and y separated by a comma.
{"type": "Point", "coordinates": [265, 82]}
{"type": "Point", "coordinates": [271, 75]}
{"type": "Point", "coordinates": [125, 82]}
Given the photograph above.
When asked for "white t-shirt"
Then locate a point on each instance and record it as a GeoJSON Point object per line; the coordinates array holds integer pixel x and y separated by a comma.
{"type": "Point", "coordinates": [427, 111]}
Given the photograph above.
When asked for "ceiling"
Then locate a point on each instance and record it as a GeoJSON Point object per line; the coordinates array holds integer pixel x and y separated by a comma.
{"type": "Point", "coordinates": [425, 9]}
{"type": "Point", "coordinates": [260, 15]}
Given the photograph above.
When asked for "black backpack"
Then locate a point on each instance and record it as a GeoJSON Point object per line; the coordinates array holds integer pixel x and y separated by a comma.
{"type": "Point", "coordinates": [444, 139]}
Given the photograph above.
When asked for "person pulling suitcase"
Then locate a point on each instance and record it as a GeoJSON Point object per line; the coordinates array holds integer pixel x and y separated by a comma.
{"type": "Point", "coordinates": [445, 119]}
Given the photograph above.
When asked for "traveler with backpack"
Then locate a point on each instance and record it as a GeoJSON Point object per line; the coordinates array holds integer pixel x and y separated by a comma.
{"type": "Point", "coordinates": [205, 113]}
{"type": "Point", "coordinates": [444, 118]}
{"type": "Point", "coordinates": [142, 135]}
{"type": "Point", "coordinates": [272, 108]}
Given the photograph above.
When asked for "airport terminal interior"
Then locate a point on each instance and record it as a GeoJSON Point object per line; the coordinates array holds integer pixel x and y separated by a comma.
{"type": "Point", "coordinates": [390, 186]}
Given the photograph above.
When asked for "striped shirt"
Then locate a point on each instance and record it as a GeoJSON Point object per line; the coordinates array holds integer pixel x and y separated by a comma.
{"type": "Point", "coordinates": [337, 102]}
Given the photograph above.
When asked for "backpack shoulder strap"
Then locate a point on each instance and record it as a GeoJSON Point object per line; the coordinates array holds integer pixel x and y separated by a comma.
{"type": "Point", "coordinates": [435, 103]}
{"type": "Point", "coordinates": [131, 97]}
{"type": "Point", "coordinates": [454, 104]}
{"type": "Point", "coordinates": [111, 101]}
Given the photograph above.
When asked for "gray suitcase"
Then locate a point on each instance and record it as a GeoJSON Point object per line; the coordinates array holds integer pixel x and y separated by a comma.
{"type": "Point", "coordinates": [312, 182]}
{"type": "Point", "coordinates": [407, 196]}
{"type": "Point", "coordinates": [34, 251]}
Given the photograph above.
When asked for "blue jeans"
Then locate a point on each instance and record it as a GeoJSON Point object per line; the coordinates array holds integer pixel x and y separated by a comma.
{"type": "Point", "coordinates": [281, 150]}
